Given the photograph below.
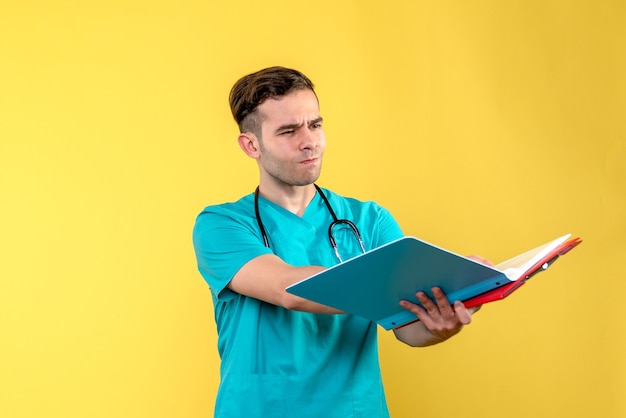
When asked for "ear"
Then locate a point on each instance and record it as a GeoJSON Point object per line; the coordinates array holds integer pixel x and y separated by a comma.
{"type": "Point", "coordinates": [249, 143]}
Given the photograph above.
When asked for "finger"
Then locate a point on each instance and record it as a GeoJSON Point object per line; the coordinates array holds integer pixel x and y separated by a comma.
{"type": "Point", "coordinates": [427, 317]}
{"type": "Point", "coordinates": [427, 303]}
{"type": "Point", "coordinates": [464, 314]}
{"type": "Point", "coordinates": [421, 313]}
{"type": "Point", "coordinates": [413, 308]}
{"type": "Point", "coordinates": [481, 260]}
{"type": "Point", "coordinates": [442, 302]}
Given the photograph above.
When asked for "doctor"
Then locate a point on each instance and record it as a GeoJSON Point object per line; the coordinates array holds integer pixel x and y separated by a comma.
{"type": "Point", "coordinates": [281, 355]}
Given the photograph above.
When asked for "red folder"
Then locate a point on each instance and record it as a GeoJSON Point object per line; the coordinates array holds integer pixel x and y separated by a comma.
{"type": "Point", "coordinates": [502, 292]}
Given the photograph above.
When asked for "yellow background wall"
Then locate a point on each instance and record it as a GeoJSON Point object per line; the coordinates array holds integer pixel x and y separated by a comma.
{"type": "Point", "coordinates": [486, 127]}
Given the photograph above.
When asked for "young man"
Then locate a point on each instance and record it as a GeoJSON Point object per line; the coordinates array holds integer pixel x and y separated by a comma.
{"type": "Point", "coordinates": [281, 355]}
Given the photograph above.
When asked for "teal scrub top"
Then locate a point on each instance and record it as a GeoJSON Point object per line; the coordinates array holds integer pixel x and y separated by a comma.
{"type": "Point", "coordinates": [281, 363]}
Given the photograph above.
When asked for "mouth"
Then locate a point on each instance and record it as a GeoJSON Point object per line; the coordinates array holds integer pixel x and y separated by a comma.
{"type": "Point", "coordinates": [310, 160]}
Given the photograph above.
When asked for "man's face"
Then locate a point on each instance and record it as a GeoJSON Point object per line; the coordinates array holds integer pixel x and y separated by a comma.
{"type": "Point", "coordinates": [293, 139]}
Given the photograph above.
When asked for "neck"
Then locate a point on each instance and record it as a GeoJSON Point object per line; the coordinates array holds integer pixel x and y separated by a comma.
{"type": "Point", "coordinates": [293, 198]}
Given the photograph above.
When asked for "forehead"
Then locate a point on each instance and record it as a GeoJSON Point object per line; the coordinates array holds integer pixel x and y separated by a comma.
{"type": "Point", "coordinates": [297, 106]}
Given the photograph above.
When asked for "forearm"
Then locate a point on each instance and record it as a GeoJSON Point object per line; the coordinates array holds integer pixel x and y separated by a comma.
{"type": "Point", "coordinates": [266, 277]}
{"type": "Point", "coordinates": [295, 303]}
{"type": "Point", "coordinates": [416, 335]}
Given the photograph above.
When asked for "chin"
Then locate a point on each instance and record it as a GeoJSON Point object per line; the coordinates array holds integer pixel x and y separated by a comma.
{"type": "Point", "coordinates": [306, 181]}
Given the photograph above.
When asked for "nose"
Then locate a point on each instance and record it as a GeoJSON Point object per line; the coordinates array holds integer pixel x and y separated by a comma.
{"type": "Point", "coordinates": [309, 139]}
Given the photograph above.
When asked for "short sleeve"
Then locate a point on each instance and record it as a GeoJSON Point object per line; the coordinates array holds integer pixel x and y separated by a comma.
{"type": "Point", "coordinates": [224, 240]}
{"type": "Point", "coordinates": [388, 228]}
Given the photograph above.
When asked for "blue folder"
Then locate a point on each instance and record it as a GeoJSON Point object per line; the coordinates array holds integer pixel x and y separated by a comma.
{"type": "Point", "coordinates": [371, 285]}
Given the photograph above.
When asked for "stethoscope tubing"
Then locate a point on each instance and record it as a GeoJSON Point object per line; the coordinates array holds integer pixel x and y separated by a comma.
{"type": "Point", "coordinates": [336, 221]}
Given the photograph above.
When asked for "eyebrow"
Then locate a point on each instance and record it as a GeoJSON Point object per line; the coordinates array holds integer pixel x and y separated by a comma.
{"type": "Point", "coordinates": [297, 125]}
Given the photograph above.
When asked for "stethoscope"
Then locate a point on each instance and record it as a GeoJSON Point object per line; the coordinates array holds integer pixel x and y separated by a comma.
{"type": "Point", "coordinates": [336, 221]}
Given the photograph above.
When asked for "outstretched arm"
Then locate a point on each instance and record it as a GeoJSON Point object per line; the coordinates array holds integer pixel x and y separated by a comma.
{"type": "Point", "coordinates": [266, 277]}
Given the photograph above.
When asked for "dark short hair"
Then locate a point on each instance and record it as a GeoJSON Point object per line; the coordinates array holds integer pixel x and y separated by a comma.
{"type": "Point", "coordinates": [253, 89]}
